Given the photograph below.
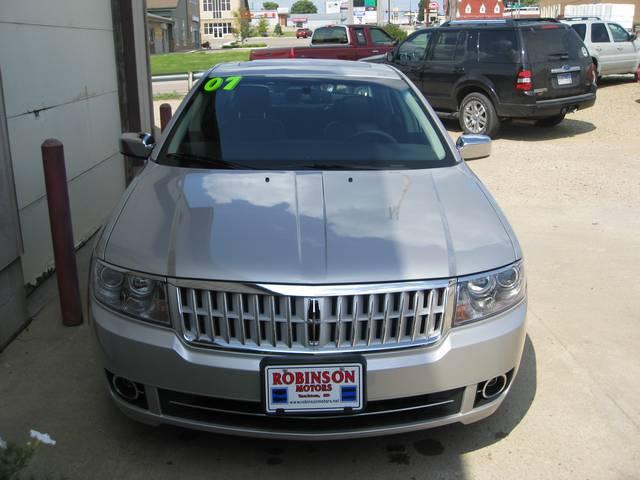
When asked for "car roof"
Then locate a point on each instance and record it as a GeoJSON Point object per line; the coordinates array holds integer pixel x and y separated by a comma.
{"type": "Point", "coordinates": [571, 20]}
{"type": "Point", "coordinates": [306, 66]}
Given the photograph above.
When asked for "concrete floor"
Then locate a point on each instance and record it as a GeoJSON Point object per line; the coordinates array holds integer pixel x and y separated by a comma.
{"type": "Point", "coordinates": [572, 194]}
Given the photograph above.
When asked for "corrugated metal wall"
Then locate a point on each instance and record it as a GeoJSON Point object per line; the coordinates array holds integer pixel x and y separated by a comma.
{"type": "Point", "coordinates": [60, 81]}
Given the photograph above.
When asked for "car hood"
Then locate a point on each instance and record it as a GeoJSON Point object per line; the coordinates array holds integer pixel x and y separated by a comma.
{"type": "Point", "coordinates": [309, 227]}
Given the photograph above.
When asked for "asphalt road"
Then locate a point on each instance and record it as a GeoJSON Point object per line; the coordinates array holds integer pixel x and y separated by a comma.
{"type": "Point", "coordinates": [572, 194]}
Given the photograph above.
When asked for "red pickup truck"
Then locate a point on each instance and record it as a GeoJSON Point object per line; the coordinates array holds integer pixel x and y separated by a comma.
{"type": "Point", "coordinates": [344, 42]}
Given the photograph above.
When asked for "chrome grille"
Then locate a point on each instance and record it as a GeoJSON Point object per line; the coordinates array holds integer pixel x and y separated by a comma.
{"type": "Point", "coordinates": [262, 317]}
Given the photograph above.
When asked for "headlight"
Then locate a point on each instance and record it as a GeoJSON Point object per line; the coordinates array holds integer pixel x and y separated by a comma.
{"type": "Point", "coordinates": [133, 295]}
{"type": "Point", "coordinates": [481, 296]}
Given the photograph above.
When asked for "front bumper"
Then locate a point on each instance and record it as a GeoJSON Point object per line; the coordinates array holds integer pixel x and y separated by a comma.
{"type": "Point", "coordinates": [547, 108]}
{"type": "Point", "coordinates": [226, 386]}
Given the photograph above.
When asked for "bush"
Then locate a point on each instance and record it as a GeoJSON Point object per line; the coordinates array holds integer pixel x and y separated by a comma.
{"type": "Point", "coordinates": [277, 30]}
{"type": "Point", "coordinates": [13, 459]}
{"type": "Point", "coordinates": [262, 26]}
{"type": "Point", "coordinates": [396, 32]}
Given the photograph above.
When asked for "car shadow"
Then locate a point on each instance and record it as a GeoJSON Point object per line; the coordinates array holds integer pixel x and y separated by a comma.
{"type": "Point", "coordinates": [613, 80]}
{"type": "Point", "coordinates": [439, 450]}
{"type": "Point", "coordinates": [526, 131]}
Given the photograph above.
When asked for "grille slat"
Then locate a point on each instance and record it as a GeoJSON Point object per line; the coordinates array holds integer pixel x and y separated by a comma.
{"type": "Point", "coordinates": [226, 317]}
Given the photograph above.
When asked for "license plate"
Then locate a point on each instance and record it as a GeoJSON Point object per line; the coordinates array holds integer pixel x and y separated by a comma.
{"type": "Point", "coordinates": [299, 388]}
{"type": "Point", "coordinates": [564, 79]}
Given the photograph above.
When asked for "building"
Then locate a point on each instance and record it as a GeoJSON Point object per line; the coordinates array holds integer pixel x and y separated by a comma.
{"type": "Point", "coordinates": [160, 32]}
{"type": "Point", "coordinates": [186, 20]}
{"type": "Point", "coordinates": [315, 20]}
{"type": "Point", "coordinates": [625, 12]}
{"type": "Point", "coordinates": [476, 9]}
{"type": "Point", "coordinates": [76, 71]}
{"type": "Point", "coordinates": [271, 16]}
{"type": "Point", "coordinates": [217, 21]}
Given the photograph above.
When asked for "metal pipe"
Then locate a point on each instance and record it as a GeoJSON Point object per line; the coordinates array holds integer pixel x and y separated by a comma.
{"type": "Point", "coordinates": [55, 178]}
{"type": "Point", "coordinates": [165, 116]}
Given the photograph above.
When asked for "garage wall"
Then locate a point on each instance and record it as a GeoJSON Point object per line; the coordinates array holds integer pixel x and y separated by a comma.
{"type": "Point", "coordinates": [59, 70]}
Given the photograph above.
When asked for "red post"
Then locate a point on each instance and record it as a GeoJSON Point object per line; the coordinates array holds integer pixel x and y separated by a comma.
{"type": "Point", "coordinates": [165, 116]}
{"type": "Point", "coordinates": [55, 179]}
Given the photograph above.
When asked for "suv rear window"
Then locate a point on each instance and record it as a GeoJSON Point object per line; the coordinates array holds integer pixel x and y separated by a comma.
{"type": "Point", "coordinates": [581, 29]}
{"type": "Point", "coordinates": [498, 46]}
{"type": "Point", "coordinates": [549, 44]}
{"type": "Point", "coordinates": [330, 35]}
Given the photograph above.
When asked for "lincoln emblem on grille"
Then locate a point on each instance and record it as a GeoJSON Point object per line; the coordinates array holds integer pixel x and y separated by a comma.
{"type": "Point", "coordinates": [313, 322]}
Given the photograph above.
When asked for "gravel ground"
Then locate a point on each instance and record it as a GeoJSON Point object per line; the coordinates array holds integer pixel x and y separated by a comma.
{"type": "Point", "coordinates": [572, 195]}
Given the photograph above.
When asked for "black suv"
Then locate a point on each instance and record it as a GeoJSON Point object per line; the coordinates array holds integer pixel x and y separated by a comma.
{"type": "Point", "coordinates": [482, 72]}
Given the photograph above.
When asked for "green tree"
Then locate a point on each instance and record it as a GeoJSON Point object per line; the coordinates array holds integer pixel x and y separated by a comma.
{"type": "Point", "coordinates": [420, 17]}
{"type": "Point", "coordinates": [262, 27]}
{"type": "Point", "coordinates": [395, 31]}
{"type": "Point", "coordinates": [304, 6]}
{"type": "Point", "coordinates": [242, 25]}
{"type": "Point", "coordinates": [270, 5]}
{"type": "Point", "coordinates": [277, 30]}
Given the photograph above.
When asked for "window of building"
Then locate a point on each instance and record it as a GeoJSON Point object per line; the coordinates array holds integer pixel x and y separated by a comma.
{"type": "Point", "coordinates": [216, 7]}
{"type": "Point", "coordinates": [217, 29]}
{"type": "Point", "coordinates": [483, 9]}
{"type": "Point", "coordinates": [467, 9]}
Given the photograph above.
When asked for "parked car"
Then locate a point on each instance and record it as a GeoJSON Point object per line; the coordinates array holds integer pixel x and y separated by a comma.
{"type": "Point", "coordinates": [484, 72]}
{"type": "Point", "coordinates": [613, 49]}
{"type": "Point", "coordinates": [321, 265]}
{"type": "Point", "coordinates": [343, 42]}
{"type": "Point", "coordinates": [303, 33]}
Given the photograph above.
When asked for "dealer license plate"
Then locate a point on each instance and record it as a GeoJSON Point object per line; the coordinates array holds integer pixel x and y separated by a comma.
{"type": "Point", "coordinates": [300, 388]}
{"type": "Point", "coordinates": [564, 79]}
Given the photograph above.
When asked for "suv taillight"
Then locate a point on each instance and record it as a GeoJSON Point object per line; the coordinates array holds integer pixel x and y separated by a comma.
{"type": "Point", "coordinates": [523, 82]}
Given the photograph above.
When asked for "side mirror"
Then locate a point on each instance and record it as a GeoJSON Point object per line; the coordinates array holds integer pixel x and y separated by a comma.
{"type": "Point", "coordinates": [472, 147]}
{"type": "Point", "coordinates": [390, 55]}
{"type": "Point", "coordinates": [138, 145]}
{"type": "Point", "coordinates": [633, 37]}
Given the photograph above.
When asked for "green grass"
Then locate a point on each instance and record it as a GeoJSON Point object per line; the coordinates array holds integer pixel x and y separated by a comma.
{"type": "Point", "coordinates": [168, 63]}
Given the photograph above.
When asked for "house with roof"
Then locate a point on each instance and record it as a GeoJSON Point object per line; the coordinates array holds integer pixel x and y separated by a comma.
{"type": "Point", "coordinates": [185, 15]}
{"type": "Point", "coordinates": [476, 9]}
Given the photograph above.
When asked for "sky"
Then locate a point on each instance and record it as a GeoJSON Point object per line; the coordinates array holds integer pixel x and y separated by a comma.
{"type": "Point", "coordinates": [401, 4]}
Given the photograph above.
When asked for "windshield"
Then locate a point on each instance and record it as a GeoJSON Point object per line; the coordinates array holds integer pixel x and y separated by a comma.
{"type": "Point", "coordinates": [294, 123]}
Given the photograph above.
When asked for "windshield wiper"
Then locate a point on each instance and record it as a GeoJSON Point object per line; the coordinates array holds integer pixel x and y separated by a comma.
{"type": "Point", "coordinates": [191, 160]}
{"type": "Point", "coordinates": [338, 166]}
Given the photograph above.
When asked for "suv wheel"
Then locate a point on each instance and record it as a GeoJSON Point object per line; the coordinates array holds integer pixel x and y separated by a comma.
{"type": "Point", "coordinates": [478, 116]}
{"type": "Point", "coordinates": [550, 121]}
